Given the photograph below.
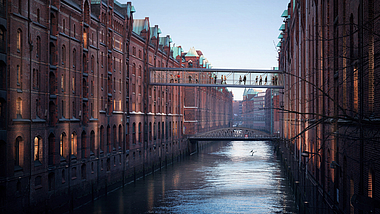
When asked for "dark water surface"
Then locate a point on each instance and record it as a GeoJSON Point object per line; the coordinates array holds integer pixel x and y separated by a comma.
{"type": "Point", "coordinates": [223, 178]}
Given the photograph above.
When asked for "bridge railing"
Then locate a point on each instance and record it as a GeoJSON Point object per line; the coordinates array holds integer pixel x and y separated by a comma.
{"type": "Point", "coordinates": [216, 77]}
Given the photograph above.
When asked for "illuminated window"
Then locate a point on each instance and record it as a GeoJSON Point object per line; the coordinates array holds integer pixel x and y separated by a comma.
{"type": "Point", "coordinates": [18, 42]}
{"type": "Point", "coordinates": [37, 149]}
{"type": "Point", "coordinates": [62, 144]}
{"type": "Point", "coordinates": [19, 108]}
{"type": "Point", "coordinates": [73, 145]}
{"type": "Point", "coordinates": [370, 182]}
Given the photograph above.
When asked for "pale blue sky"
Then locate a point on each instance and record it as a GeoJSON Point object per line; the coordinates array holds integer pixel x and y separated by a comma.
{"type": "Point", "coordinates": [231, 34]}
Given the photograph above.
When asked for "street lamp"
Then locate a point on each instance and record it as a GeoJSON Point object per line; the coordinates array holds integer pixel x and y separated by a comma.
{"type": "Point", "coordinates": [306, 154]}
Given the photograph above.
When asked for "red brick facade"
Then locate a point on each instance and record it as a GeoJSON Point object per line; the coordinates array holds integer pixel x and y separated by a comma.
{"type": "Point", "coordinates": [330, 55]}
{"type": "Point", "coordinates": [77, 115]}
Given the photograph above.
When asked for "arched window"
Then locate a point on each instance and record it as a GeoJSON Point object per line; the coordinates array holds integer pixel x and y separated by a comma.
{"type": "Point", "coordinates": [85, 63]}
{"type": "Point", "coordinates": [19, 40]}
{"type": "Point", "coordinates": [86, 13]}
{"type": "Point", "coordinates": [18, 152]}
{"type": "Point", "coordinates": [92, 143]}
{"type": "Point", "coordinates": [83, 171]}
{"type": "Point", "coordinates": [62, 145]}
{"type": "Point", "coordinates": [19, 108]}
{"type": "Point", "coordinates": [73, 145]}
{"type": "Point", "coordinates": [52, 83]}
{"type": "Point", "coordinates": [38, 148]}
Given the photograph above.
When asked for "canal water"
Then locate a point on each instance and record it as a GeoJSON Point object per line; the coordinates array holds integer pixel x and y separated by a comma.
{"type": "Point", "coordinates": [222, 178]}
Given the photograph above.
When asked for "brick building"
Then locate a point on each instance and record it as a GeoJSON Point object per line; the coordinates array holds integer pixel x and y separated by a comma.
{"type": "Point", "coordinates": [330, 52]}
{"type": "Point", "coordinates": [77, 116]}
{"type": "Point", "coordinates": [205, 108]}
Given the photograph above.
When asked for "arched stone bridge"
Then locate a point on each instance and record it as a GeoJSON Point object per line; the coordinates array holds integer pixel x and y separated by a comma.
{"type": "Point", "coordinates": [234, 133]}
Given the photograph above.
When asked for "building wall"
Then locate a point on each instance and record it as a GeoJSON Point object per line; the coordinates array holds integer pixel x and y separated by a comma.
{"type": "Point", "coordinates": [78, 117]}
{"type": "Point", "coordinates": [329, 52]}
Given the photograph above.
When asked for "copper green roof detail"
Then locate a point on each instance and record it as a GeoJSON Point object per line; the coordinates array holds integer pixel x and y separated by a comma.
{"type": "Point", "coordinates": [192, 52]}
{"type": "Point", "coordinates": [279, 44]}
{"type": "Point", "coordinates": [159, 31]}
{"type": "Point", "coordinates": [201, 60]}
{"type": "Point", "coordinates": [280, 36]}
{"type": "Point", "coordinates": [285, 14]}
{"type": "Point", "coordinates": [133, 9]}
{"type": "Point", "coordinates": [177, 51]}
{"type": "Point", "coordinates": [282, 27]}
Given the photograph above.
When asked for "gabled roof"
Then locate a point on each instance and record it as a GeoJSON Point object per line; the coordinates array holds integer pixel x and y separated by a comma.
{"type": "Point", "coordinates": [192, 52]}
{"type": "Point", "coordinates": [140, 25]}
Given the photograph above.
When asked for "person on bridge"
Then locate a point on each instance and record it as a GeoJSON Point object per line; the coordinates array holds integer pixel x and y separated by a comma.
{"type": "Point", "coordinates": [225, 79]}
{"type": "Point", "coordinates": [244, 79]}
{"type": "Point", "coordinates": [240, 80]}
{"type": "Point", "coordinates": [261, 80]}
{"type": "Point", "coordinates": [178, 76]}
{"type": "Point", "coordinates": [265, 80]}
{"type": "Point", "coordinates": [256, 80]}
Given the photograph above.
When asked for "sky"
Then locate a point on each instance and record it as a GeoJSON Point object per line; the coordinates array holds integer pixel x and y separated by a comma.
{"type": "Point", "coordinates": [239, 34]}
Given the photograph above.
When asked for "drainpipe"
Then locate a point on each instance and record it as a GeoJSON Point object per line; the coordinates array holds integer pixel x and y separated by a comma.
{"type": "Point", "coordinates": [30, 102]}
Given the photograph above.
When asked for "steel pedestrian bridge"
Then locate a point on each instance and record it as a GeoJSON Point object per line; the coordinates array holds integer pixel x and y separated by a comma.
{"type": "Point", "coordinates": [233, 134]}
{"type": "Point", "coordinates": [241, 78]}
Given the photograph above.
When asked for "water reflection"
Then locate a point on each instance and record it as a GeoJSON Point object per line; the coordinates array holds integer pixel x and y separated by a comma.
{"type": "Point", "coordinates": [223, 178]}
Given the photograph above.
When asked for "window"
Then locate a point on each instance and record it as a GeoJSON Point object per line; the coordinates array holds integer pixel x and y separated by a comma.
{"type": "Point", "coordinates": [37, 149]}
{"type": "Point", "coordinates": [114, 137]}
{"type": "Point", "coordinates": [134, 51]}
{"type": "Point", "coordinates": [140, 54]}
{"type": "Point", "coordinates": [73, 144]}
{"type": "Point", "coordinates": [19, 75]}
{"type": "Point", "coordinates": [370, 182]}
{"type": "Point", "coordinates": [19, 40]}
{"type": "Point", "coordinates": [62, 144]}
{"type": "Point", "coordinates": [140, 139]}
{"type": "Point", "coordinates": [62, 82]}
{"type": "Point", "coordinates": [63, 55]}
{"type": "Point", "coordinates": [38, 48]}
{"type": "Point", "coordinates": [74, 58]}
{"type": "Point", "coordinates": [19, 108]}
{"type": "Point", "coordinates": [18, 152]}
{"type": "Point", "coordinates": [101, 81]}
